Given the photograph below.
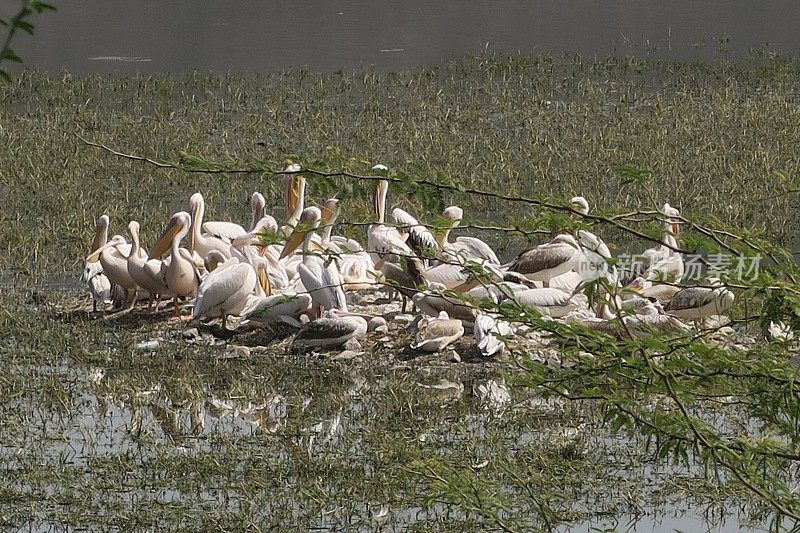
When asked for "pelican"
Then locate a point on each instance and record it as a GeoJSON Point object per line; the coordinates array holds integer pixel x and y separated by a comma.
{"type": "Point", "coordinates": [277, 308]}
{"type": "Point", "coordinates": [660, 291]}
{"type": "Point", "coordinates": [319, 277]}
{"type": "Point", "coordinates": [228, 289]}
{"type": "Point", "coordinates": [295, 196]}
{"type": "Point", "coordinates": [406, 277]}
{"type": "Point", "coordinates": [485, 331]}
{"type": "Point", "coordinates": [646, 322]}
{"type": "Point", "coordinates": [207, 236]}
{"type": "Point", "coordinates": [434, 334]}
{"type": "Point", "coordinates": [332, 329]}
{"type": "Point", "coordinates": [96, 281]}
{"type": "Point", "coordinates": [548, 301]}
{"type": "Point", "coordinates": [381, 239]}
{"type": "Point", "coordinates": [113, 256]}
{"type": "Point", "coordinates": [182, 275]}
{"type": "Point", "coordinates": [149, 274]}
{"type": "Point", "coordinates": [418, 237]}
{"type": "Point", "coordinates": [664, 263]}
{"type": "Point", "coordinates": [257, 204]}
{"type": "Point", "coordinates": [432, 302]}
{"type": "Point", "coordinates": [546, 261]}
{"type": "Point", "coordinates": [697, 303]}
{"type": "Point", "coordinates": [471, 247]}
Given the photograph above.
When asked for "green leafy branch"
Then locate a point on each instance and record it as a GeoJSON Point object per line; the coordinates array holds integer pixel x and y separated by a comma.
{"type": "Point", "coordinates": [20, 21]}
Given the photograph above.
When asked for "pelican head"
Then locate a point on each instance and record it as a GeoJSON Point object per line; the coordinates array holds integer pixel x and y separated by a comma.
{"type": "Point", "coordinates": [579, 204]}
{"type": "Point", "coordinates": [102, 222]}
{"type": "Point", "coordinates": [380, 167]}
{"type": "Point", "coordinates": [454, 214]}
{"type": "Point", "coordinates": [330, 210]}
{"type": "Point", "coordinates": [116, 240]}
{"type": "Point", "coordinates": [177, 223]}
{"type": "Point", "coordinates": [257, 202]}
{"type": "Point", "coordinates": [309, 221]}
{"type": "Point", "coordinates": [673, 220]}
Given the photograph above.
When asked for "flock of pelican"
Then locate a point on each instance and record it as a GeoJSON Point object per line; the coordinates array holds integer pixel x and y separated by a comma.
{"type": "Point", "coordinates": [300, 273]}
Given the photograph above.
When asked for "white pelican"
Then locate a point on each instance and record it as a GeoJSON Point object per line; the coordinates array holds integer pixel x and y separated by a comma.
{"type": "Point", "coordinates": [96, 281]}
{"type": "Point", "coordinates": [432, 302]}
{"type": "Point", "coordinates": [149, 274]}
{"type": "Point", "coordinates": [182, 276]}
{"type": "Point", "coordinates": [319, 276]}
{"type": "Point", "coordinates": [418, 237]}
{"type": "Point", "coordinates": [257, 205]}
{"type": "Point", "coordinates": [434, 334]}
{"type": "Point", "coordinates": [229, 288]}
{"type": "Point", "coordinates": [546, 261]}
{"type": "Point", "coordinates": [277, 308]}
{"type": "Point", "coordinates": [660, 291]}
{"type": "Point", "coordinates": [485, 331]}
{"type": "Point", "coordinates": [332, 329]}
{"type": "Point", "coordinates": [207, 236]}
{"type": "Point", "coordinates": [642, 324]}
{"type": "Point", "coordinates": [472, 247]}
{"type": "Point", "coordinates": [381, 239]}
{"type": "Point", "coordinates": [295, 196]}
{"type": "Point", "coordinates": [663, 262]}
{"type": "Point", "coordinates": [697, 303]}
{"type": "Point", "coordinates": [113, 256]}
{"type": "Point", "coordinates": [355, 265]}
{"type": "Point", "coordinates": [548, 301]}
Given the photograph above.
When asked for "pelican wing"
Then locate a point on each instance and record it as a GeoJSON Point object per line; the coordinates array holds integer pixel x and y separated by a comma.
{"type": "Point", "coordinates": [222, 289]}
{"type": "Point", "coordinates": [227, 231]}
{"type": "Point", "coordinates": [545, 257]}
{"type": "Point", "coordinates": [420, 239]}
{"type": "Point", "coordinates": [690, 298]}
{"type": "Point", "coordinates": [478, 249]}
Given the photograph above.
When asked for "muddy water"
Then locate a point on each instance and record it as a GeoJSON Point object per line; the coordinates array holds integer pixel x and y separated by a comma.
{"type": "Point", "coordinates": [157, 36]}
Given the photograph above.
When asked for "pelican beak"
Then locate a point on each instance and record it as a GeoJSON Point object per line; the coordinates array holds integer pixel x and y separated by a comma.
{"type": "Point", "coordinates": [263, 280]}
{"type": "Point", "coordinates": [676, 226]}
{"type": "Point", "coordinates": [294, 241]}
{"type": "Point", "coordinates": [165, 240]}
{"type": "Point", "coordinates": [94, 257]}
{"type": "Point", "coordinates": [466, 286]}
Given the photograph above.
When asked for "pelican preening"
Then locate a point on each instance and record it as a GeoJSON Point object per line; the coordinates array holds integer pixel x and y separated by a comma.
{"type": "Point", "coordinates": [220, 269]}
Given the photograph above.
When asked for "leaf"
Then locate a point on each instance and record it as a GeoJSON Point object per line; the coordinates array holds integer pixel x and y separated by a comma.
{"type": "Point", "coordinates": [5, 75]}
{"type": "Point", "coordinates": [27, 27]}
{"type": "Point", "coordinates": [632, 174]}
{"type": "Point", "coordinates": [42, 6]}
{"type": "Point", "coordinates": [10, 55]}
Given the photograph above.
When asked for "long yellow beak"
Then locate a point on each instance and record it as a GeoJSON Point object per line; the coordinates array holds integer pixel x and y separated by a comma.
{"type": "Point", "coordinates": [94, 257]}
{"type": "Point", "coordinates": [294, 241]}
{"type": "Point", "coordinates": [164, 242]}
{"type": "Point", "coordinates": [263, 280]}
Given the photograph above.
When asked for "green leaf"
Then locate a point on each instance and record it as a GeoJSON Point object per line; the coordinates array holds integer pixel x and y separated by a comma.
{"type": "Point", "coordinates": [27, 27]}
{"type": "Point", "coordinates": [42, 6]}
{"type": "Point", "coordinates": [631, 174]}
{"type": "Point", "coordinates": [10, 55]}
{"type": "Point", "coordinates": [5, 75]}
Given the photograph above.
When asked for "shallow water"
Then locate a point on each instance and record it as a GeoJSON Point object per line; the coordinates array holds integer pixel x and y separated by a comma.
{"type": "Point", "coordinates": [157, 36]}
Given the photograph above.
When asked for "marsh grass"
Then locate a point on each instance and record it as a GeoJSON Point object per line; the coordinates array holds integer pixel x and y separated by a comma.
{"type": "Point", "coordinates": [97, 433]}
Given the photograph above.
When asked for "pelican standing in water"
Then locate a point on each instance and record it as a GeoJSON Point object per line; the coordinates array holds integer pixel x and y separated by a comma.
{"type": "Point", "coordinates": [182, 275]}
{"type": "Point", "coordinates": [319, 276]}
